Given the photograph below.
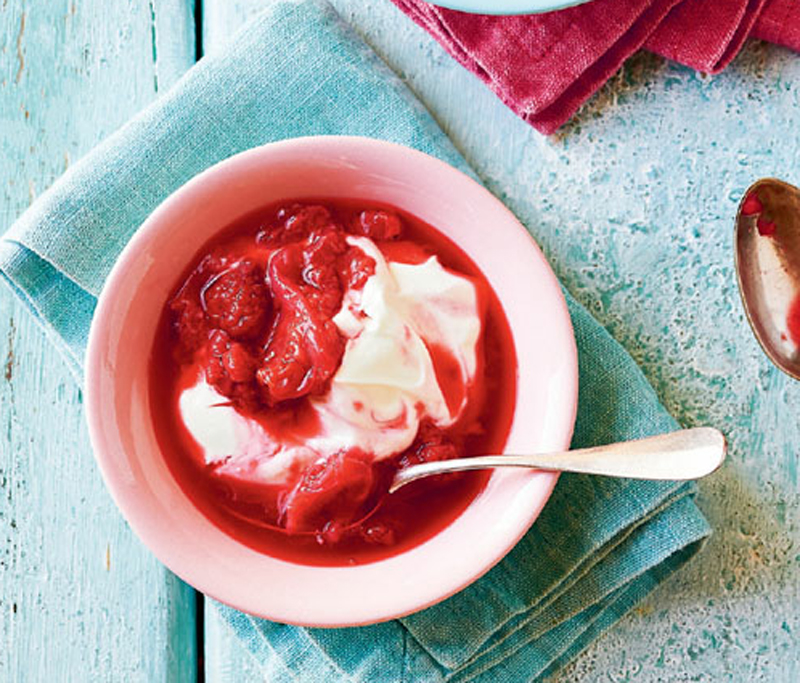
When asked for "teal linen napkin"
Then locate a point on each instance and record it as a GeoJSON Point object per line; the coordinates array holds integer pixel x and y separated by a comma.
{"type": "Point", "coordinates": [599, 546]}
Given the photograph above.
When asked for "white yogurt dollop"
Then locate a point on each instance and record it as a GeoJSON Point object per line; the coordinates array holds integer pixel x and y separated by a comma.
{"type": "Point", "coordinates": [386, 383]}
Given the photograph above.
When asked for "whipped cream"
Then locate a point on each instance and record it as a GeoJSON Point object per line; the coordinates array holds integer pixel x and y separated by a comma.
{"type": "Point", "coordinates": [386, 383]}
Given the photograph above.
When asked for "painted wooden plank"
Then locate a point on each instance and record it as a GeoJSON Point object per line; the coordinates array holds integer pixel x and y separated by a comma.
{"type": "Point", "coordinates": [225, 660]}
{"type": "Point", "coordinates": [633, 203]}
{"type": "Point", "coordinates": [80, 598]}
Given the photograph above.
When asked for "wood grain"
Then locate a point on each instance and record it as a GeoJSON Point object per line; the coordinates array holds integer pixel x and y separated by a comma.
{"type": "Point", "coordinates": [80, 598]}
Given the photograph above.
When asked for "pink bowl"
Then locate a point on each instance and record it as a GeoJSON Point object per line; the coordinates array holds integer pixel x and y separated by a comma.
{"type": "Point", "coordinates": [122, 334]}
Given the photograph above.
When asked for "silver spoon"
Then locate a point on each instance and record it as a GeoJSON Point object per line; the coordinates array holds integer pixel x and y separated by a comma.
{"type": "Point", "coordinates": [768, 268]}
{"type": "Point", "coordinates": [685, 454]}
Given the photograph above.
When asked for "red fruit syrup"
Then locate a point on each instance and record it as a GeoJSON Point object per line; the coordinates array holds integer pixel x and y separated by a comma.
{"type": "Point", "coordinates": [255, 309]}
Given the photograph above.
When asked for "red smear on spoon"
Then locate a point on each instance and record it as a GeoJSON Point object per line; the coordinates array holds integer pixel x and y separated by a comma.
{"type": "Point", "coordinates": [793, 320]}
{"type": "Point", "coordinates": [765, 227]}
{"type": "Point", "coordinates": [752, 205]}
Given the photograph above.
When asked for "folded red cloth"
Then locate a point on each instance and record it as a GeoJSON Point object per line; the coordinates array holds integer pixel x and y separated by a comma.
{"type": "Point", "coordinates": [544, 66]}
{"type": "Point", "coordinates": [779, 23]}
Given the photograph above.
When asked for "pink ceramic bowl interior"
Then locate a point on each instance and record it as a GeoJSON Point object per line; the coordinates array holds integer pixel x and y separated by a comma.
{"type": "Point", "coordinates": [118, 398]}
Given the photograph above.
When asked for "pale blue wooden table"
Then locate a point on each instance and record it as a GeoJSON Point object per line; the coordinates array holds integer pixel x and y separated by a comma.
{"type": "Point", "coordinates": [632, 202]}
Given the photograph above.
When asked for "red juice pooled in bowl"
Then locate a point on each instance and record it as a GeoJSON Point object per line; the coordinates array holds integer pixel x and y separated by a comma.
{"type": "Point", "coordinates": [309, 352]}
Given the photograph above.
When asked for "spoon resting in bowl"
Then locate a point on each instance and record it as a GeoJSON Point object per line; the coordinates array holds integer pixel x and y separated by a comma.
{"type": "Point", "coordinates": [681, 455]}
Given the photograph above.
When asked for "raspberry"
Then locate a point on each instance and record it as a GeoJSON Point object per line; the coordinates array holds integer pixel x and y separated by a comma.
{"type": "Point", "coordinates": [239, 364]}
{"type": "Point", "coordinates": [305, 347]}
{"type": "Point", "coordinates": [302, 355]}
{"type": "Point", "coordinates": [356, 268]}
{"type": "Point", "coordinates": [333, 493]}
{"type": "Point", "coordinates": [304, 219]}
{"type": "Point", "coordinates": [216, 375]}
{"type": "Point", "coordinates": [237, 300]}
{"type": "Point", "coordinates": [190, 324]}
{"type": "Point", "coordinates": [431, 445]}
{"type": "Point", "coordinates": [378, 224]}
{"type": "Point", "coordinates": [295, 223]}
{"type": "Point", "coordinates": [189, 319]}
{"type": "Point", "coordinates": [228, 366]}
{"type": "Point", "coordinates": [320, 271]}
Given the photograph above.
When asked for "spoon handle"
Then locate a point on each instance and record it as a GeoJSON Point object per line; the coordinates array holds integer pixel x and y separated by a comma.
{"type": "Point", "coordinates": [685, 454]}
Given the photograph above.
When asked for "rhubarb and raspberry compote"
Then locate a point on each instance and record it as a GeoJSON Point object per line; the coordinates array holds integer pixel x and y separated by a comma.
{"type": "Point", "coordinates": [309, 352]}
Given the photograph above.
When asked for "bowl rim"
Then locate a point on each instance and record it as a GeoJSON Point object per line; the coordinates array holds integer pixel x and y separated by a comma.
{"type": "Point", "coordinates": [114, 479]}
{"type": "Point", "coordinates": [507, 7]}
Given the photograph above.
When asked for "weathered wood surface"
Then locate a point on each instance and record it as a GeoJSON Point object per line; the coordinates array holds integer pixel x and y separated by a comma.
{"type": "Point", "coordinates": [80, 598]}
{"type": "Point", "coordinates": [632, 202]}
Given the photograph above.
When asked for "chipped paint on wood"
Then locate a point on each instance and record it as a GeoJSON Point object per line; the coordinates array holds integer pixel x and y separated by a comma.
{"type": "Point", "coordinates": [20, 54]}
{"type": "Point", "coordinates": [9, 367]}
{"type": "Point", "coordinates": [66, 613]}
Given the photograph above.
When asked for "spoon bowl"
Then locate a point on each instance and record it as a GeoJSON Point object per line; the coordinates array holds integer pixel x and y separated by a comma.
{"type": "Point", "coordinates": [767, 254]}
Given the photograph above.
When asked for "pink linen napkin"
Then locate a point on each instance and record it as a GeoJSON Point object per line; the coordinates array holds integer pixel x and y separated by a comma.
{"type": "Point", "coordinates": [545, 66]}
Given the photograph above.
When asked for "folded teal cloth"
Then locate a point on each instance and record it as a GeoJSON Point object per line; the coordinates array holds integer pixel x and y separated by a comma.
{"type": "Point", "coordinates": [599, 546]}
